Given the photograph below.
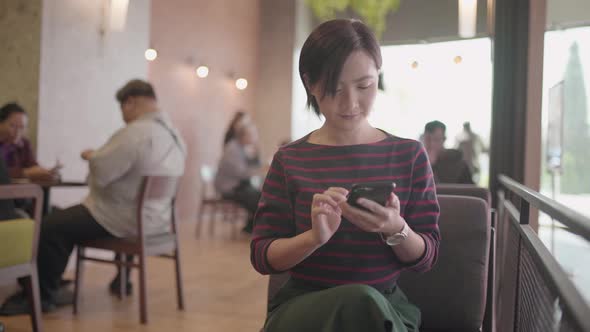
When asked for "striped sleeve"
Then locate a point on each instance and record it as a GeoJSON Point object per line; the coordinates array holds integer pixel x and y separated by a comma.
{"type": "Point", "coordinates": [274, 217]}
{"type": "Point", "coordinates": [422, 210]}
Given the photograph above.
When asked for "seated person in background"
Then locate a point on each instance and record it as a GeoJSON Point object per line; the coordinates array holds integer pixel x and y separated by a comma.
{"type": "Point", "coordinates": [15, 149]}
{"type": "Point", "coordinates": [148, 145]}
{"type": "Point", "coordinates": [447, 164]}
{"type": "Point", "coordinates": [284, 142]}
{"type": "Point", "coordinates": [240, 117]}
{"type": "Point", "coordinates": [7, 210]}
{"type": "Point", "coordinates": [343, 261]}
{"type": "Point", "coordinates": [239, 163]}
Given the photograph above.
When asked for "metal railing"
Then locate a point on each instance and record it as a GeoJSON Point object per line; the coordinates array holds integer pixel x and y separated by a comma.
{"type": "Point", "coordinates": [533, 291]}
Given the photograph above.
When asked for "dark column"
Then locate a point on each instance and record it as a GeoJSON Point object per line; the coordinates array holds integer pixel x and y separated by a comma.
{"type": "Point", "coordinates": [516, 110]}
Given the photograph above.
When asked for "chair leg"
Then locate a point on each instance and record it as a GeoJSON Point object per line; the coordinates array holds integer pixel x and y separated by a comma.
{"type": "Point", "coordinates": [179, 288]}
{"type": "Point", "coordinates": [142, 290]}
{"type": "Point", "coordinates": [122, 275]}
{"type": "Point", "coordinates": [212, 219]}
{"type": "Point", "coordinates": [79, 275]}
{"type": "Point", "coordinates": [32, 289]}
{"type": "Point", "coordinates": [236, 224]}
{"type": "Point", "coordinates": [200, 214]}
{"type": "Point", "coordinates": [239, 222]}
{"type": "Point", "coordinates": [229, 217]}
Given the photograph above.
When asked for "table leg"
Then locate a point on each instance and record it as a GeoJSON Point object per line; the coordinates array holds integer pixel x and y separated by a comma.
{"type": "Point", "coordinates": [46, 200]}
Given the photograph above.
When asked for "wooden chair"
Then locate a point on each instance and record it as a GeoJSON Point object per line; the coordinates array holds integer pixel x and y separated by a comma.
{"type": "Point", "coordinates": [19, 241]}
{"type": "Point", "coordinates": [159, 188]}
{"type": "Point", "coordinates": [217, 208]}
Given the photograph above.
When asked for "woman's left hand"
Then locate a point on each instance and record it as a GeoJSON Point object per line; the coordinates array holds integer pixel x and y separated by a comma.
{"type": "Point", "coordinates": [383, 219]}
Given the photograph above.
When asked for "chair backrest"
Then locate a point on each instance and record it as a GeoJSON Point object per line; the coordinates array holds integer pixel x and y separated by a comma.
{"type": "Point", "coordinates": [160, 187]}
{"type": "Point", "coordinates": [27, 191]}
{"type": "Point", "coordinates": [465, 190]}
{"type": "Point", "coordinates": [207, 188]}
{"type": "Point", "coordinates": [157, 188]}
{"type": "Point", "coordinates": [7, 210]}
{"type": "Point", "coordinates": [471, 190]}
{"type": "Point", "coordinates": [452, 296]}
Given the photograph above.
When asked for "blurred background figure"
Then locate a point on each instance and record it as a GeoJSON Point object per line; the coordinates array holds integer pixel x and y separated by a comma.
{"type": "Point", "coordinates": [7, 209]}
{"type": "Point", "coordinates": [448, 165]}
{"type": "Point", "coordinates": [148, 144]}
{"type": "Point", "coordinates": [16, 150]}
{"type": "Point", "coordinates": [239, 163]}
{"type": "Point", "coordinates": [284, 142]}
{"type": "Point", "coordinates": [471, 145]}
{"type": "Point", "coordinates": [239, 119]}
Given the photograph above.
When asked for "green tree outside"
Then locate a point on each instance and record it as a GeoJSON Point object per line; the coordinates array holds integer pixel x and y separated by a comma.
{"type": "Point", "coordinates": [576, 137]}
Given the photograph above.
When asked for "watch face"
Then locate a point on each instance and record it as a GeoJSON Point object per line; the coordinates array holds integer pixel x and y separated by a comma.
{"type": "Point", "coordinates": [395, 239]}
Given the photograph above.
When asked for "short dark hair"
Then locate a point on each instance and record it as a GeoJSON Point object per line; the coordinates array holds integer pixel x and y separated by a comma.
{"type": "Point", "coordinates": [327, 48]}
{"type": "Point", "coordinates": [231, 130]}
{"type": "Point", "coordinates": [135, 88]}
{"type": "Point", "coordinates": [9, 109]}
{"type": "Point", "coordinates": [431, 126]}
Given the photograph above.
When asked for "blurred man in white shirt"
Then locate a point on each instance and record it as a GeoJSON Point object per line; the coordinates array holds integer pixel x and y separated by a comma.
{"type": "Point", "coordinates": [148, 145]}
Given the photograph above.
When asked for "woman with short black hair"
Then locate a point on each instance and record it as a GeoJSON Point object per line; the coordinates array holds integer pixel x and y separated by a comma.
{"type": "Point", "coordinates": [344, 261]}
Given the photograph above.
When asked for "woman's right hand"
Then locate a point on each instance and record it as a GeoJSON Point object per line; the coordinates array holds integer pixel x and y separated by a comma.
{"type": "Point", "coordinates": [326, 214]}
{"type": "Point", "coordinates": [285, 253]}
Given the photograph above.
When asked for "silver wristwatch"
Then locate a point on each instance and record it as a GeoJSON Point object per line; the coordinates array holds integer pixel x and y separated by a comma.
{"type": "Point", "coordinates": [397, 238]}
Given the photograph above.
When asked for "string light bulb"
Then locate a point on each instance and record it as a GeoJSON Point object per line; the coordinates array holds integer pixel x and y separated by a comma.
{"type": "Point", "coordinates": [151, 54]}
{"type": "Point", "coordinates": [467, 18]}
{"type": "Point", "coordinates": [241, 83]}
{"type": "Point", "coordinates": [202, 71]}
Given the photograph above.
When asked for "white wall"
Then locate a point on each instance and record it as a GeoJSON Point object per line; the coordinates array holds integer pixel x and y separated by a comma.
{"type": "Point", "coordinates": [80, 73]}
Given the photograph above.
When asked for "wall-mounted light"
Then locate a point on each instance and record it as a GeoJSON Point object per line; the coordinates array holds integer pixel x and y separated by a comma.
{"type": "Point", "coordinates": [241, 83]}
{"type": "Point", "coordinates": [491, 8]}
{"type": "Point", "coordinates": [118, 14]}
{"type": "Point", "coordinates": [202, 71]}
{"type": "Point", "coordinates": [414, 65]}
{"type": "Point", "coordinates": [458, 59]}
{"type": "Point", "coordinates": [467, 18]}
{"type": "Point", "coordinates": [151, 54]}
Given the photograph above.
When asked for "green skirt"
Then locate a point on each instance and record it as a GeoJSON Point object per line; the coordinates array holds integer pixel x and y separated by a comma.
{"type": "Point", "coordinates": [344, 308]}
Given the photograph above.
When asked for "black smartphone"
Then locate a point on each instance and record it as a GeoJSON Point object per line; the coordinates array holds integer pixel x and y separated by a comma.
{"type": "Point", "coordinates": [375, 191]}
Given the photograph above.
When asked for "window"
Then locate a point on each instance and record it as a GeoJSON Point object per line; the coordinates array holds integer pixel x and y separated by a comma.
{"type": "Point", "coordinates": [566, 66]}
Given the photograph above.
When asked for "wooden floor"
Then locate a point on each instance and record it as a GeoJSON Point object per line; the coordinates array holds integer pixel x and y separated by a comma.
{"type": "Point", "coordinates": [222, 293]}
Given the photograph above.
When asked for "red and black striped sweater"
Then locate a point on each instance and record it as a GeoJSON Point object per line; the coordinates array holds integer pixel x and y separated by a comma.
{"type": "Point", "coordinates": [301, 169]}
